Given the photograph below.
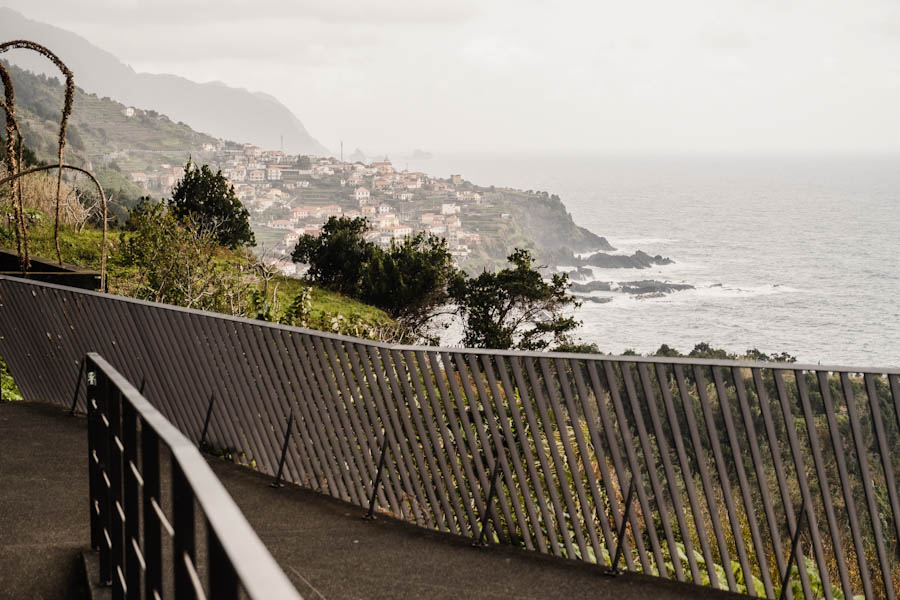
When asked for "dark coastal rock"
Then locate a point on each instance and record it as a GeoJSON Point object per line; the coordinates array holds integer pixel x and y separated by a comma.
{"type": "Point", "coordinates": [591, 286]}
{"type": "Point", "coordinates": [648, 286]}
{"type": "Point", "coordinates": [638, 260]}
{"type": "Point", "coordinates": [595, 299]}
{"type": "Point", "coordinates": [580, 274]}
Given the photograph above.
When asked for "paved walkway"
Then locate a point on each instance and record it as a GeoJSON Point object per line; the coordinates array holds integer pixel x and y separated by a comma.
{"type": "Point", "coordinates": [323, 545]}
{"type": "Point", "coordinates": [44, 519]}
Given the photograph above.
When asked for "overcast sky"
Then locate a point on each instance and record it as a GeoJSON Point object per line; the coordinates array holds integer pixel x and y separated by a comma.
{"type": "Point", "coordinates": [532, 76]}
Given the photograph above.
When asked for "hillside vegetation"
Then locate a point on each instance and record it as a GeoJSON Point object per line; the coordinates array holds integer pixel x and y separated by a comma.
{"type": "Point", "coordinates": [100, 135]}
{"type": "Point", "coordinates": [268, 295]}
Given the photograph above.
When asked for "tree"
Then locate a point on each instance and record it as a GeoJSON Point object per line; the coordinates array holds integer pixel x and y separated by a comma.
{"type": "Point", "coordinates": [410, 279]}
{"type": "Point", "coordinates": [514, 307]}
{"type": "Point", "coordinates": [338, 256]}
{"type": "Point", "coordinates": [209, 201]}
{"type": "Point", "coordinates": [704, 350]}
{"type": "Point", "coordinates": [168, 260]}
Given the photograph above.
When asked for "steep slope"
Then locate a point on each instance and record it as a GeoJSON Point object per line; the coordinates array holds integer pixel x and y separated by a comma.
{"type": "Point", "coordinates": [214, 108]}
{"type": "Point", "coordinates": [101, 133]}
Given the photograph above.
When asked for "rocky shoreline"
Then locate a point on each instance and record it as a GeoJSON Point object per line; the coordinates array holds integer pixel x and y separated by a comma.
{"type": "Point", "coordinates": [644, 288]}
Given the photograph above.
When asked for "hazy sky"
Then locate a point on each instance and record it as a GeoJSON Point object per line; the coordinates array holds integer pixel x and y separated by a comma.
{"type": "Point", "coordinates": [662, 76]}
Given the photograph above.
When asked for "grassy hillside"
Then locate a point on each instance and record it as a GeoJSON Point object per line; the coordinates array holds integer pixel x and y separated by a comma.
{"type": "Point", "coordinates": [329, 311]}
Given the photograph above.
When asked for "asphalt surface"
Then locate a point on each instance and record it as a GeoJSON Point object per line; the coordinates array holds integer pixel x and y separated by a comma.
{"type": "Point", "coordinates": [329, 551]}
{"type": "Point", "coordinates": [44, 519]}
{"type": "Point", "coordinates": [324, 546]}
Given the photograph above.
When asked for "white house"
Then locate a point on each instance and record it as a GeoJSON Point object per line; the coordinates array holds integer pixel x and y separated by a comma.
{"type": "Point", "coordinates": [361, 195]}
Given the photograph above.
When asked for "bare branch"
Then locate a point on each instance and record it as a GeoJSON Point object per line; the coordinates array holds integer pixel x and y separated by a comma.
{"type": "Point", "coordinates": [99, 187]}
{"type": "Point", "coordinates": [66, 112]}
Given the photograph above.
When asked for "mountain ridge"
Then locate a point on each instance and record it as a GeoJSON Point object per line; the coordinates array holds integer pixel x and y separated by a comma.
{"type": "Point", "coordinates": [214, 108]}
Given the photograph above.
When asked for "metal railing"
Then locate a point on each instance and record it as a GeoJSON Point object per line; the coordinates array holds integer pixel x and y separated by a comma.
{"type": "Point", "coordinates": [143, 517]}
{"type": "Point", "coordinates": [777, 480]}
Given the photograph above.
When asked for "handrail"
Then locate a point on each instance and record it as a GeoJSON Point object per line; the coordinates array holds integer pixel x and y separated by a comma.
{"type": "Point", "coordinates": [121, 421]}
{"type": "Point", "coordinates": [531, 449]}
{"type": "Point", "coordinates": [492, 352]}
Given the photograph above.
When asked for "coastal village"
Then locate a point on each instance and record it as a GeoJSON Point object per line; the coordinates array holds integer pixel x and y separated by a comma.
{"type": "Point", "coordinates": [290, 196]}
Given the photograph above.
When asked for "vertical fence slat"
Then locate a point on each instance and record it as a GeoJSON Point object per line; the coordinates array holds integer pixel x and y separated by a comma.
{"type": "Point", "coordinates": [455, 517]}
{"type": "Point", "coordinates": [465, 405]}
{"type": "Point", "coordinates": [459, 441]}
{"type": "Point", "coordinates": [261, 442]}
{"type": "Point", "coordinates": [528, 399]}
{"type": "Point", "coordinates": [589, 512]}
{"type": "Point", "coordinates": [351, 461]}
{"type": "Point", "coordinates": [760, 471]}
{"type": "Point", "coordinates": [674, 492]}
{"type": "Point", "coordinates": [530, 527]}
{"type": "Point", "coordinates": [233, 399]}
{"type": "Point", "coordinates": [318, 453]}
{"type": "Point", "coordinates": [738, 460]}
{"type": "Point", "coordinates": [345, 399]}
{"type": "Point", "coordinates": [866, 481]}
{"type": "Point", "coordinates": [571, 457]}
{"type": "Point", "coordinates": [419, 472]}
{"type": "Point", "coordinates": [323, 403]}
{"type": "Point", "coordinates": [472, 417]}
{"type": "Point", "coordinates": [388, 413]}
{"type": "Point", "coordinates": [775, 451]}
{"type": "Point", "coordinates": [447, 451]}
{"type": "Point", "coordinates": [687, 477]}
{"type": "Point", "coordinates": [840, 453]}
{"type": "Point", "coordinates": [614, 452]}
{"type": "Point", "coordinates": [700, 458]}
{"type": "Point", "coordinates": [278, 384]}
{"type": "Point", "coordinates": [600, 456]}
{"type": "Point", "coordinates": [636, 472]}
{"type": "Point", "coordinates": [884, 452]}
{"type": "Point", "coordinates": [650, 464]}
{"type": "Point", "coordinates": [559, 466]}
{"type": "Point", "coordinates": [383, 432]}
{"type": "Point", "coordinates": [352, 383]}
{"type": "Point", "coordinates": [822, 476]}
{"type": "Point", "coordinates": [431, 474]}
{"type": "Point", "coordinates": [520, 433]}
{"type": "Point", "coordinates": [724, 481]}
{"type": "Point", "coordinates": [489, 401]}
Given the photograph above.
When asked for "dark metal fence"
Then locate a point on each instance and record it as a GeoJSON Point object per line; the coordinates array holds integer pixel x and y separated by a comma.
{"type": "Point", "coordinates": [770, 479]}
{"type": "Point", "coordinates": [143, 507]}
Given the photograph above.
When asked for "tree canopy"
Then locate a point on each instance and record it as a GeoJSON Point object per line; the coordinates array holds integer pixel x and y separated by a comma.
{"type": "Point", "coordinates": [207, 199]}
{"type": "Point", "coordinates": [409, 280]}
{"type": "Point", "coordinates": [515, 307]}
{"type": "Point", "coordinates": [338, 256]}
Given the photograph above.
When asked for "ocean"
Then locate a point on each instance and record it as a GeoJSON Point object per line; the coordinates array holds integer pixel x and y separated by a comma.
{"type": "Point", "coordinates": [796, 255]}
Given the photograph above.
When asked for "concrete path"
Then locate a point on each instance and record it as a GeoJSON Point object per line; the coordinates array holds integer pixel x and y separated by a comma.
{"type": "Point", "coordinates": [323, 545]}
{"type": "Point", "coordinates": [44, 519]}
{"type": "Point", "coordinates": [329, 551]}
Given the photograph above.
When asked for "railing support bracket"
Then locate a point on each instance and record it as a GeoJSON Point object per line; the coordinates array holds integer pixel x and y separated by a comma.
{"type": "Point", "coordinates": [487, 507]}
{"type": "Point", "coordinates": [287, 436]}
{"type": "Point", "coordinates": [614, 565]}
{"type": "Point", "coordinates": [370, 515]}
